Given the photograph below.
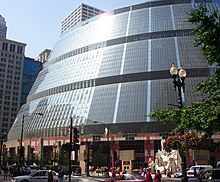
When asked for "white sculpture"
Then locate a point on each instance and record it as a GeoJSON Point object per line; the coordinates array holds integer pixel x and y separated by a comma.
{"type": "Point", "coordinates": [165, 161]}
{"type": "Point", "coordinates": [106, 130]}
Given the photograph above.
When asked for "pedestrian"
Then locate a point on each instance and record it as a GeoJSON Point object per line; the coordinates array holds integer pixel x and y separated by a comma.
{"type": "Point", "coordinates": [28, 170]}
{"type": "Point", "coordinates": [50, 175]}
{"type": "Point", "coordinates": [145, 170]}
{"type": "Point", "coordinates": [5, 168]}
{"type": "Point", "coordinates": [158, 176]}
{"type": "Point", "coordinates": [113, 172]}
{"type": "Point", "coordinates": [148, 175]}
{"type": "Point", "coordinates": [124, 171]}
{"type": "Point", "coordinates": [106, 171]}
{"type": "Point", "coordinates": [103, 170]}
{"type": "Point", "coordinates": [60, 175]}
{"type": "Point", "coordinates": [140, 170]}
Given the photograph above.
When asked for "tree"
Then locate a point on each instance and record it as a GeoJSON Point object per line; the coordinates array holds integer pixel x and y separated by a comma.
{"type": "Point", "coordinates": [63, 155]}
{"type": "Point", "coordinates": [207, 32]}
{"type": "Point", "coordinates": [99, 159]}
{"type": "Point", "coordinates": [189, 140]}
{"type": "Point", "coordinates": [203, 116]}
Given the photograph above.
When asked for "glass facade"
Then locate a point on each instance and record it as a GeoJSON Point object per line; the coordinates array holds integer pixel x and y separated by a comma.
{"type": "Point", "coordinates": [114, 68]}
{"type": "Point", "coordinates": [30, 72]}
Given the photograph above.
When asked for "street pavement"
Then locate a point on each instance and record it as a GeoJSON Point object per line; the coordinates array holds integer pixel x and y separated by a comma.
{"type": "Point", "coordinates": [95, 178]}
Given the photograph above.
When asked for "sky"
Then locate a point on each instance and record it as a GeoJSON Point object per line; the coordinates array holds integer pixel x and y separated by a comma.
{"type": "Point", "coordinates": [37, 23]}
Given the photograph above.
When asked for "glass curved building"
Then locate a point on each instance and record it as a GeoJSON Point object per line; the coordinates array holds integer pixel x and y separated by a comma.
{"type": "Point", "coordinates": [114, 69]}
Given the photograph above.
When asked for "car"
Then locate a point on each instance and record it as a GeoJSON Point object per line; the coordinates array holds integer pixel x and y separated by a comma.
{"type": "Point", "coordinates": [197, 169]}
{"type": "Point", "coordinates": [178, 174]}
{"type": "Point", "coordinates": [211, 175]}
{"type": "Point", "coordinates": [218, 164]}
{"type": "Point", "coordinates": [127, 177]}
{"type": "Point", "coordinates": [38, 176]}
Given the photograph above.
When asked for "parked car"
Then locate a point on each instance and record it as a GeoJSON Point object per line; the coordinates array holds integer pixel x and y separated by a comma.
{"type": "Point", "coordinates": [178, 174]}
{"type": "Point", "coordinates": [212, 175]}
{"type": "Point", "coordinates": [38, 176]}
{"type": "Point", "coordinates": [127, 178]}
{"type": "Point", "coordinates": [218, 164]}
{"type": "Point", "coordinates": [198, 169]}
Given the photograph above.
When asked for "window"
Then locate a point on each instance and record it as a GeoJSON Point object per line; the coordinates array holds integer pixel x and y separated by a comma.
{"type": "Point", "coordinates": [5, 46]}
{"type": "Point", "coordinates": [12, 48]}
{"type": "Point", "coordinates": [19, 50]}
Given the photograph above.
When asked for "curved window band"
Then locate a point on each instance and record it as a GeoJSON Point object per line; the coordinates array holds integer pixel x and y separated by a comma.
{"type": "Point", "coordinates": [123, 40]}
{"type": "Point", "coordinates": [133, 77]}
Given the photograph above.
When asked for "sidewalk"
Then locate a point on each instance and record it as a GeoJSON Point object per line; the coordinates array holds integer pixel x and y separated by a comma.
{"type": "Point", "coordinates": [96, 175]}
{"type": "Point", "coordinates": [103, 177]}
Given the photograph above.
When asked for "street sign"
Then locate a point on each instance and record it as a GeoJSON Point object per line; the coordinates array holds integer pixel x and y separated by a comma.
{"type": "Point", "coordinates": [72, 155]}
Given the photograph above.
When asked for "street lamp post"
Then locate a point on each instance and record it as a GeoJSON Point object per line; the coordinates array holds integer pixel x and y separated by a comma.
{"type": "Point", "coordinates": [22, 131]}
{"type": "Point", "coordinates": [178, 81]}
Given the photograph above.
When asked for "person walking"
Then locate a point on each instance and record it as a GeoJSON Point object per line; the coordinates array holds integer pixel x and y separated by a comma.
{"type": "Point", "coordinates": [5, 168]}
{"type": "Point", "coordinates": [50, 175]}
{"type": "Point", "coordinates": [60, 176]}
{"type": "Point", "coordinates": [148, 175]}
{"type": "Point", "coordinates": [113, 172]}
{"type": "Point", "coordinates": [158, 176]}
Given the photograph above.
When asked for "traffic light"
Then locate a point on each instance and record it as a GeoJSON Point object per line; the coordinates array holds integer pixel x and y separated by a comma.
{"type": "Point", "coordinates": [76, 135]}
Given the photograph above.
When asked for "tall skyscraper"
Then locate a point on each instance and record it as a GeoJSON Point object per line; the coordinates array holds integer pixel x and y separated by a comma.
{"type": "Point", "coordinates": [17, 75]}
{"type": "Point", "coordinates": [81, 13]}
{"type": "Point", "coordinates": [3, 27]}
{"type": "Point", "coordinates": [11, 73]}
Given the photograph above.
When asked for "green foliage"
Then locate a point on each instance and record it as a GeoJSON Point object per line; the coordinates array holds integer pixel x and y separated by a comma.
{"type": "Point", "coordinates": [64, 156]}
{"type": "Point", "coordinates": [99, 158]}
{"type": "Point", "coordinates": [201, 116]}
{"type": "Point", "coordinates": [207, 32]}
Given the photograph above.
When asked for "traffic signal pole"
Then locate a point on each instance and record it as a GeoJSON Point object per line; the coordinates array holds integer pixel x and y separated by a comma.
{"type": "Point", "coordinates": [76, 142]}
